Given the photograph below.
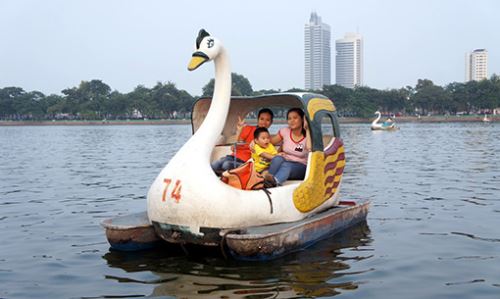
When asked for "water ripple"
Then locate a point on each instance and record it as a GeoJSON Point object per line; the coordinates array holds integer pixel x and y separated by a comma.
{"type": "Point", "coordinates": [428, 184]}
{"type": "Point", "coordinates": [475, 237]}
{"type": "Point", "coordinates": [465, 282]}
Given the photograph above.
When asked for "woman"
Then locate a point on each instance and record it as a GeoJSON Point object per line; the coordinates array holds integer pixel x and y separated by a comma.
{"type": "Point", "coordinates": [291, 162]}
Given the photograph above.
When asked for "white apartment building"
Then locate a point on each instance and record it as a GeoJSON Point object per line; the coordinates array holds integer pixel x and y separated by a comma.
{"type": "Point", "coordinates": [317, 53]}
{"type": "Point", "coordinates": [476, 65]}
{"type": "Point", "coordinates": [349, 60]}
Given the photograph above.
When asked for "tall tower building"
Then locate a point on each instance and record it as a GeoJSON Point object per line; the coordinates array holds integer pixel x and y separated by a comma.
{"type": "Point", "coordinates": [349, 60]}
{"type": "Point", "coordinates": [317, 53]}
{"type": "Point", "coordinates": [476, 65]}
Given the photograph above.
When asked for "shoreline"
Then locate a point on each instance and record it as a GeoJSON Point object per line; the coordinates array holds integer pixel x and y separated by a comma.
{"type": "Point", "coordinates": [342, 120]}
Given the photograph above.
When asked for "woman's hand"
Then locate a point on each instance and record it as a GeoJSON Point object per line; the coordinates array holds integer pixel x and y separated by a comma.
{"type": "Point", "coordinates": [305, 124]}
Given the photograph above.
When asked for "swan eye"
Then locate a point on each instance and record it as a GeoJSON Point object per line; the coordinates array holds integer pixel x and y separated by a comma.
{"type": "Point", "coordinates": [210, 43]}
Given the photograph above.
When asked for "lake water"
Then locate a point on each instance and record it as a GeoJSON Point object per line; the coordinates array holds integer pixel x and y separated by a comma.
{"type": "Point", "coordinates": [433, 230]}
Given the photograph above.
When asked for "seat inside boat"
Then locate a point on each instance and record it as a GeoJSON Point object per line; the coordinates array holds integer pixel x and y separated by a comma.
{"type": "Point", "coordinates": [247, 108]}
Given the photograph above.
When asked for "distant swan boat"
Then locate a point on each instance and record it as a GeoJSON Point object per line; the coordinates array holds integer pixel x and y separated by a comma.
{"type": "Point", "coordinates": [486, 119]}
{"type": "Point", "coordinates": [383, 126]}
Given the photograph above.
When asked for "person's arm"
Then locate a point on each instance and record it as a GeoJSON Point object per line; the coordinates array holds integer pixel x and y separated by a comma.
{"type": "Point", "coordinates": [251, 145]}
{"type": "Point", "coordinates": [267, 156]}
{"type": "Point", "coordinates": [270, 152]}
{"type": "Point", "coordinates": [276, 139]}
{"type": "Point", "coordinates": [243, 131]}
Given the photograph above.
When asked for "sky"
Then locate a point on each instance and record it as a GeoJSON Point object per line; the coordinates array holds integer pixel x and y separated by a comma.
{"type": "Point", "coordinates": [52, 45]}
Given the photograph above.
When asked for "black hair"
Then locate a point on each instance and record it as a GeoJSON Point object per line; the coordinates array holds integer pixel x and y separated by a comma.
{"type": "Point", "coordinates": [301, 113]}
{"type": "Point", "coordinates": [258, 131]}
{"type": "Point", "coordinates": [266, 110]}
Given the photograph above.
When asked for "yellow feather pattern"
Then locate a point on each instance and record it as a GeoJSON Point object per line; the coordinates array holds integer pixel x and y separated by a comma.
{"type": "Point", "coordinates": [317, 188]}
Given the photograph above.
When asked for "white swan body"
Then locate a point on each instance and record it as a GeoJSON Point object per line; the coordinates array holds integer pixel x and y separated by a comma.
{"type": "Point", "coordinates": [188, 196]}
{"type": "Point", "coordinates": [376, 126]}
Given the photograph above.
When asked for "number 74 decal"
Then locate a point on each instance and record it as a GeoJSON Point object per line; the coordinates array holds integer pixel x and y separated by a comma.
{"type": "Point", "coordinates": [176, 191]}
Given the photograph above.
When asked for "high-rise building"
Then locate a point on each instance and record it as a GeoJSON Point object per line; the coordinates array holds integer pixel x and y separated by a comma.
{"type": "Point", "coordinates": [317, 53]}
{"type": "Point", "coordinates": [476, 65]}
{"type": "Point", "coordinates": [349, 60]}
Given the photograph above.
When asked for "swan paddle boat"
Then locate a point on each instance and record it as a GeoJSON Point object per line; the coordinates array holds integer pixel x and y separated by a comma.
{"type": "Point", "coordinates": [387, 125]}
{"type": "Point", "coordinates": [189, 204]}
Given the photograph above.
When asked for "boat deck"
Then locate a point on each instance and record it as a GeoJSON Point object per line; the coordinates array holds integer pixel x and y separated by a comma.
{"type": "Point", "coordinates": [134, 232]}
{"type": "Point", "coordinates": [272, 241]}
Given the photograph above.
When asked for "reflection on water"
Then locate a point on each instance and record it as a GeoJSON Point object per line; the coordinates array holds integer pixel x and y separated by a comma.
{"type": "Point", "coordinates": [433, 223]}
{"type": "Point", "coordinates": [321, 270]}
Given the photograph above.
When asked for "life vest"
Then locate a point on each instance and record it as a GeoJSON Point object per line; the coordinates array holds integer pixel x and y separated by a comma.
{"type": "Point", "coordinates": [244, 177]}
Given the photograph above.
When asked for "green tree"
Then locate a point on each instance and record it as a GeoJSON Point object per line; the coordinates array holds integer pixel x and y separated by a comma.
{"type": "Point", "coordinates": [117, 106]}
{"type": "Point", "coordinates": [495, 81]}
{"type": "Point", "coordinates": [459, 97]}
{"type": "Point", "coordinates": [88, 99]}
{"type": "Point", "coordinates": [365, 100]}
{"type": "Point", "coordinates": [487, 94]}
{"type": "Point", "coordinates": [395, 100]}
{"type": "Point", "coordinates": [171, 101]}
{"type": "Point", "coordinates": [32, 105]}
{"type": "Point", "coordinates": [265, 91]}
{"type": "Point", "coordinates": [240, 86]}
{"type": "Point", "coordinates": [7, 97]}
{"type": "Point", "coordinates": [429, 97]}
{"type": "Point", "coordinates": [296, 89]}
{"type": "Point", "coordinates": [54, 104]}
{"type": "Point", "coordinates": [140, 100]}
{"type": "Point", "coordinates": [341, 97]}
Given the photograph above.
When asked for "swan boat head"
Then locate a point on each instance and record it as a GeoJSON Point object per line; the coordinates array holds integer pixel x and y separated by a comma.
{"type": "Point", "coordinates": [207, 48]}
{"type": "Point", "coordinates": [375, 125]}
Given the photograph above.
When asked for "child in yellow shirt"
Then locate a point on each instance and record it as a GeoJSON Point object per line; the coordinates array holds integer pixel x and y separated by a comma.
{"type": "Point", "coordinates": [264, 150]}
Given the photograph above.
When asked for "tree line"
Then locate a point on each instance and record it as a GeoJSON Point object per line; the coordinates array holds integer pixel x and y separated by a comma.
{"type": "Point", "coordinates": [95, 100]}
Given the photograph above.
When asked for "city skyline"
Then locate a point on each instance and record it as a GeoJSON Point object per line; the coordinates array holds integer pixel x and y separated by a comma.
{"type": "Point", "coordinates": [53, 45]}
{"type": "Point", "coordinates": [476, 65]}
{"type": "Point", "coordinates": [317, 53]}
{"type": "Point", "coordinates": [349, 60]}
